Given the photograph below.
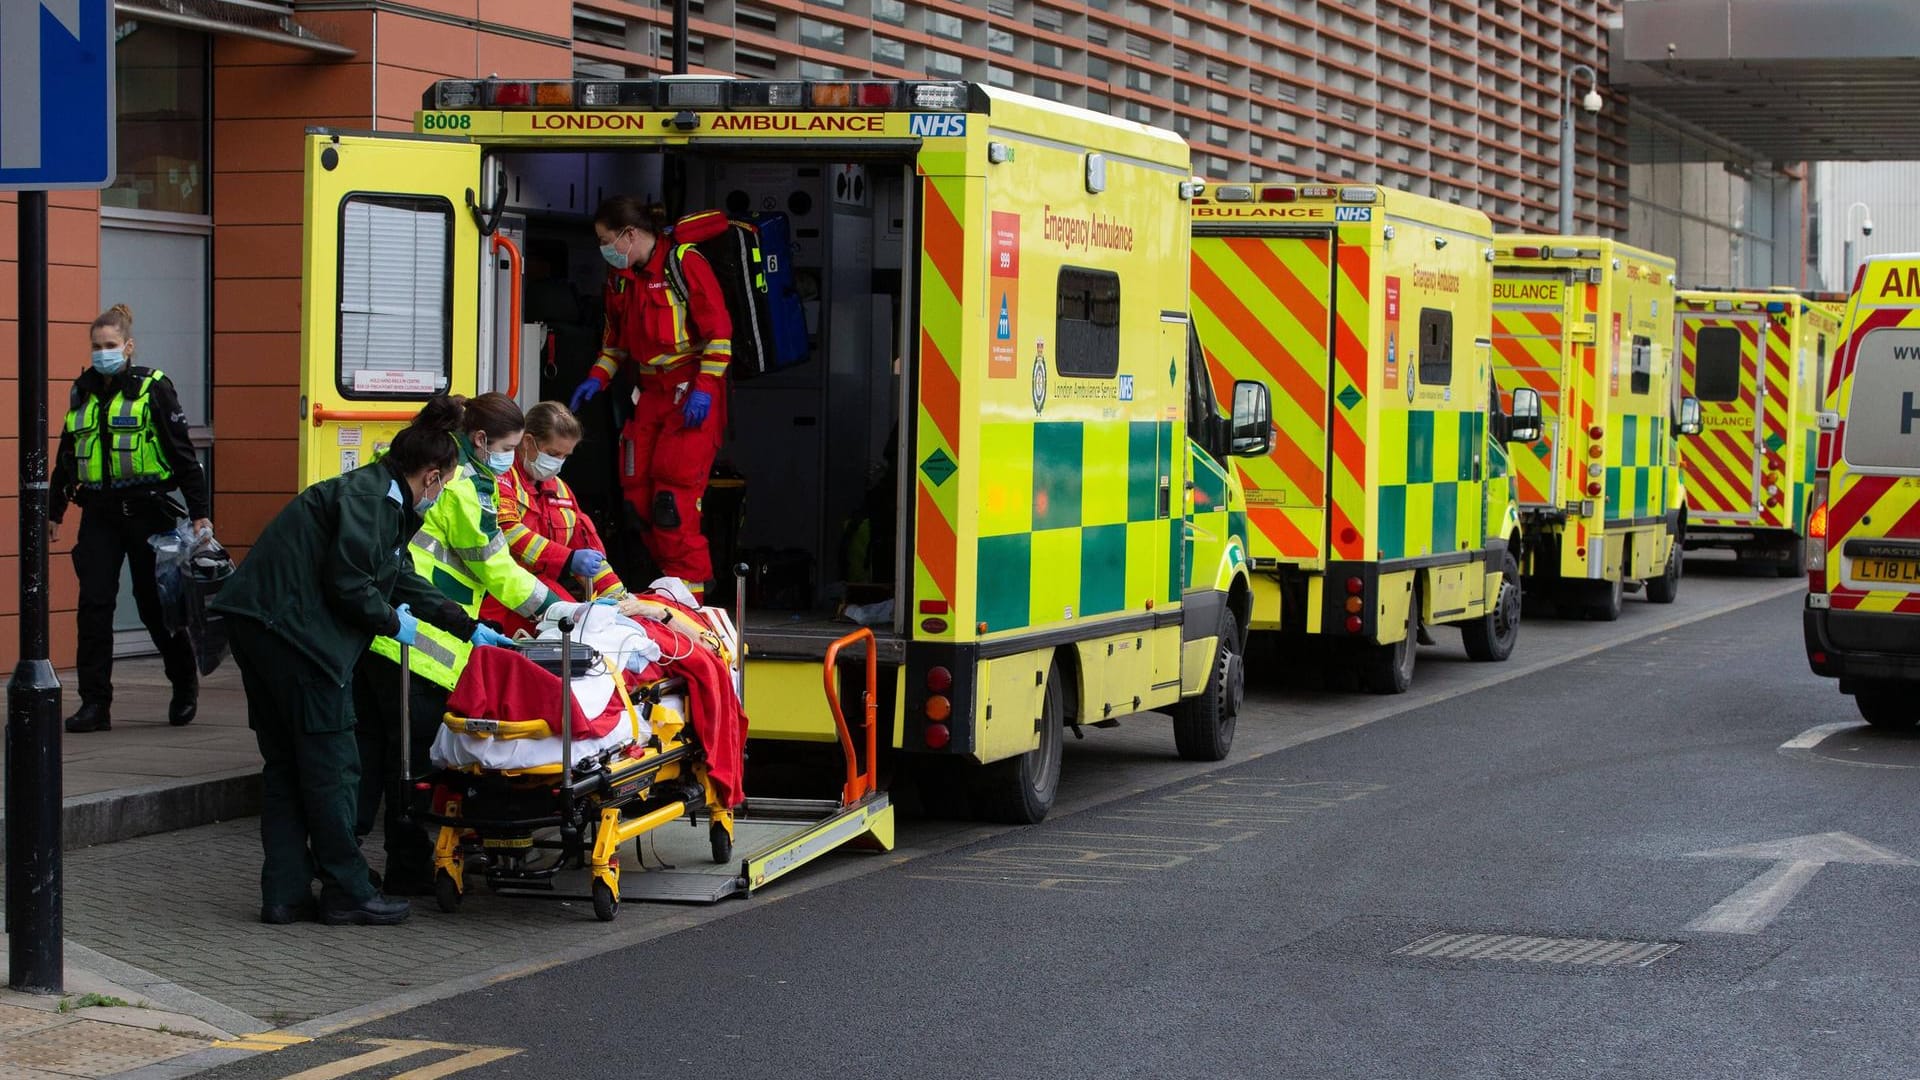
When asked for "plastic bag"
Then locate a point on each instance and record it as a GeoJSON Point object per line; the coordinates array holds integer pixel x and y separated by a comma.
{"type": "Point", "coordinates": [189, 568]}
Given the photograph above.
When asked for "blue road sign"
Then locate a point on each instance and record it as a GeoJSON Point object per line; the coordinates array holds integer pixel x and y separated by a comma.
{"type": "Point", "coordinates": [56, 94]}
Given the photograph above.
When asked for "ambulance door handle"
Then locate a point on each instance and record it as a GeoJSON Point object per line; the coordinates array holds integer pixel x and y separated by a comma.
{"type": "Point", "coordinates": [502, 242]}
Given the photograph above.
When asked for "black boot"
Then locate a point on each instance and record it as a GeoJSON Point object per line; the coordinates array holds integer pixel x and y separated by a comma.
{"type": "Point", "coordinates": [376, 910]}
{"type": "Point", "coordinates": [90, 717]}
{"type": "Point", "coordinates": [184, 706]}
{"type": "Point", "coordinates": [286, 914]}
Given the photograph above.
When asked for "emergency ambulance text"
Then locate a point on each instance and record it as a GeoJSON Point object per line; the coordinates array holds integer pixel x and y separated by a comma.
{"type": "Point", "coordinates": [1438, 281]}
{"type": "Point", "coordinates": [1086, 233]}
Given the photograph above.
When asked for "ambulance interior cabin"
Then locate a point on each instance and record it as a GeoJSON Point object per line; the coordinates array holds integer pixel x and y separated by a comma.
{"type": "Point", "coordinates": [807, 484]}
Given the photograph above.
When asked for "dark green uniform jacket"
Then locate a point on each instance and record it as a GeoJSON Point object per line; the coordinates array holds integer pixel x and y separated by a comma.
{"type": "Point", "coordinates": [330, 568]}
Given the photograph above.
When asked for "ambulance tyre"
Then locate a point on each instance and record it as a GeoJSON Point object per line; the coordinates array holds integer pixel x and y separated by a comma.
{"type": "Point", "coordinates": [1493, 635]}
{"type": "Point", "coordinates": [1666, 587]}
{"type": "Point", "coordinates": [1604, 600]}
{"type": "Point", "coordinates": [1020, 790]}
{"type": "Point", "coordinates": [1203, 725]}
{"type": "Point", "coordinates": [1388, 669]}
{"type": "Point", "coordinates": [1796, 564]}
{"type": "Point", "coordinates": [1887, 706]}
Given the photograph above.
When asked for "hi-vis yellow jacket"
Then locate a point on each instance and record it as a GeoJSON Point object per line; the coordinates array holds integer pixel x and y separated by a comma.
{"type": "Point", "coordinates": [461, 550]}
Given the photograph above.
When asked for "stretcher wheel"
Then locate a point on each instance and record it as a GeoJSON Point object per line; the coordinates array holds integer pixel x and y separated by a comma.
{"type": "Point", "coordinates": [446, 892]}
{"type": "Point", "coordinates": [605, 904]}
{"type": "Point", "coordinates": [722, 841]}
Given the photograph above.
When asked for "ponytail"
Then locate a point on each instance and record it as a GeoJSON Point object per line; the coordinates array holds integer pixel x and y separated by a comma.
{"type": "Point", "coordinates": [428, 441]}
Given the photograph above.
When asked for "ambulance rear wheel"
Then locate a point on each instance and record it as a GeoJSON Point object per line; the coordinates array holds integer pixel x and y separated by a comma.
{"type": "Point", "coordinates": [605, 904]}
{"type": "Point", "coordinates": [1203, 725]}
{"type": "Point", "coordinates": [1493, 635]}
{"type": "Point", "coordinates": [1605, 599]}
{"type": "Point", "coordinates": [1796, 564]}
{"type": "Point", "coordinates": [1887, 706]}
{"type": "Point", "coordinates": [1388, 669]}
{"type": "Point", "coordinates": [1663, 589]}
{"type": "Point", "coordinates": [1020, 790]}
{"type": "Point", "coordinates": [446, 892]}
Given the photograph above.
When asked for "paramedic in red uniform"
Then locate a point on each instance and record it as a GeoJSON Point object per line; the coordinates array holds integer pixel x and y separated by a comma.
{"type": "Point", "coordinates": [679, 349]}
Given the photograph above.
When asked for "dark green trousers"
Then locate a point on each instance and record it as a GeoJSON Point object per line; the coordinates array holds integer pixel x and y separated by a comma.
{"type": "Point", "coordinates": [376, 702]}
{"type": "Point", "coordinates": [310, 779]}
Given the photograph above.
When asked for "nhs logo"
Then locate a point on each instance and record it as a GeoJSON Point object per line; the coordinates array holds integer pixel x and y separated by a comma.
{"type": "Point", "coordinates": [937, 126]}
{"type": "Point", "coordinates": [1353, 213]}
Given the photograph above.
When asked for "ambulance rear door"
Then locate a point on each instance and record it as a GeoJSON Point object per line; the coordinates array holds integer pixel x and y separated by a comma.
{"type": "Point", "coordinates": [1263, 305]}
{"type": "Point", "coordinates": [1531, 325]}
{"type": "Point", "coordinates": [390, 289]}
{"type": "Point", "coordinates": [1720, 358]}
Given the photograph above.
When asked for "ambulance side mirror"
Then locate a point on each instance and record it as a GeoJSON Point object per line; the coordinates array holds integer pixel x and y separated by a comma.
{"type": "Point", "coordinates": [1827, 420]}
{"type": "Point", "coordinates": [1690, 423]}
{"type": "Point", "coordinates": [1523, 423]}
{"type": "Point", "coordinates": [1251, 430]}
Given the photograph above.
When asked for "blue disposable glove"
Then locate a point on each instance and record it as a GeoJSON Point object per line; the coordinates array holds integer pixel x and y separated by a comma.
{"type": "Point", "coordinates": [585, 563]}
{"type": "Point", "coordinates": [487, 635]}
{"type": "Point", "coordinates": [606, 601]}
{"type": "Point", "coordinates": [583, 393]}
{"type": "Point", "coordinates": [694, 411]}
{"type": "Point", "coordinates": [409, 626]}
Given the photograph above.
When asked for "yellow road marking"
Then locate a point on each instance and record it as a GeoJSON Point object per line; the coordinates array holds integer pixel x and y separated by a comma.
{"type": "Point", "coordinates": [387, 1051]}
{"type": "Point", "coordinates": [262, 1040]}
{"type": "Point", "coordinates": [479, 1055]}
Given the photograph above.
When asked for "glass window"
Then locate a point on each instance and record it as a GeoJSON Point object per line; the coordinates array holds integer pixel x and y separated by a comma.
{"type": "Point", "coordinates": [162, 276]}
{"type": "Point", "coordinates": [889, 51]}
{"type": "Point", "coordinates": [999, 41]}
{"type": "Point", "coordinates": [811, 70]}
{"type": "Point", "coordinates": [943, 65]}
{"type": "Point", "coordinates": [815, 34]}
{"type": "Point", "coordinates": [1098, 70]}
{"type": "Point", "coordinates": [1048, 55]}
{"type": "Point", "coordinates": [941, 24]}
{"type": "Point", "coordinates": [1716, 366]}
{"type": "Point", "coordinates": [1046, 18]}
{"type": "Point", "coordinates": [890, 11]}
{"type": "Point", "coordinates": [1139, 79]}
{"type": "Point", "coordinates": [1436, 347]}
{"type": "Point", "coordinates": [1884, 405]}
{"type": "Point", "coordinates": [1641, 379]}
{"type": "Point", "coordinates": [999, 76]}
{"type": "Point", "coordinates": [1086, 328]}
{"type": "Point", "coordinates": [1049, 89]}
{"type": "Point", "coordinates": [396, 318]}
{"type": "Point", "coordinates": [162, 123]}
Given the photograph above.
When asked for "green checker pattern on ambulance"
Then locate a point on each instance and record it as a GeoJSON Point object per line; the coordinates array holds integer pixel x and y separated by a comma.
{"type": "Point", "coordinates": [1637, 481]}
{"type": "Point", "coordinates": [1070, 522]}
{"type": "Point", "coordinates": [1431, 500]}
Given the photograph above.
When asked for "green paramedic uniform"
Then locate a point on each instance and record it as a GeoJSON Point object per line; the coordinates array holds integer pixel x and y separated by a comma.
{"type": "Point", "coordinates": [461, 549]}
{"type": "Point", "coordinates": [322, 581]}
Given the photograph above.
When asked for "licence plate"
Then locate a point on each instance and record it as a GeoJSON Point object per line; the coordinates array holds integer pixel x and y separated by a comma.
{"type": "Point", "coordinates": [1890, 571]}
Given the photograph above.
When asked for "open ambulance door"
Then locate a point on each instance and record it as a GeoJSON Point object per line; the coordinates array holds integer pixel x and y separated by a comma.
{"type": "Point", "coordinates": [390, 289]}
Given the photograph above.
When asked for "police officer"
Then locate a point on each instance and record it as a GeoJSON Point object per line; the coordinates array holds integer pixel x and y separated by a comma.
{"type": "Point", "coordinates": [123, 449]}
{"type": "Point", "coordinates": [329, 573]}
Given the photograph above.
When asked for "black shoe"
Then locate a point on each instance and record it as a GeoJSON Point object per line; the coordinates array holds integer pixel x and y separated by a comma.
{"type": "Point", "coordinates": [286, 914]}
{"type": "Point", "coordinates": [376, 910]}
{"type": "Point", "coordinates": [90, 718]}
{"type": "Point", "coordinates": [185, 705]}
{"type": "Point", "coordinates": [407, 883]}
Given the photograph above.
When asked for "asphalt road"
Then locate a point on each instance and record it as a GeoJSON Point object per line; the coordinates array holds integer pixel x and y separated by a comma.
{"type": "Point", "coordinates": [1244, 921]}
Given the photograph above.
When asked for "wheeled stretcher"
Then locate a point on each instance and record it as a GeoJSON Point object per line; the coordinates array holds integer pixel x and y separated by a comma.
{"type": "Point", "coordinates": [520, 804]}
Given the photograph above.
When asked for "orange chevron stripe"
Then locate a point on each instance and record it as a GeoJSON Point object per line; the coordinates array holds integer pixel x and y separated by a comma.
{"type": "Point", "coordinates": [942, 237]}
{"type": "Point", "coordinates": [939, 389]}
{"type": "Point", "coordinates": [938, 548]}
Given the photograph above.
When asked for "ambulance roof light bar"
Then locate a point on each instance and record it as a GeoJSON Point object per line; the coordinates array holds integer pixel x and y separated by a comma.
{"type": "Point", "coordinates": [702, 92]}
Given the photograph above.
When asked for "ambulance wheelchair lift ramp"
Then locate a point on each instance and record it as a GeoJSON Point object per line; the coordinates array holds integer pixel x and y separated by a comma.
{"type": "Point", "coordinates": [781, 835]}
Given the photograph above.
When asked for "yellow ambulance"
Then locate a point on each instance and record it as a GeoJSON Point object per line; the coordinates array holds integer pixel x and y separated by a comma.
{"type": "Point", "coordinates": [998, 346]}
{"type": "Point", "coordinates": [1756, 362]}
{"type": "Point", "coordinates": [1588, 324]}
{"type": "Point", "coordinates": [1385, 506]}
{"type": "Point", "coordinates": [1862, 620]}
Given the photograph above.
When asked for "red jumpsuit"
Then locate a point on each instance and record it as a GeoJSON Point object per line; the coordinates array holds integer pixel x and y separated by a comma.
{"type": "Point", "coordinates": [677, 347]}
{"type": "Point", "coordinates": [543, 527]}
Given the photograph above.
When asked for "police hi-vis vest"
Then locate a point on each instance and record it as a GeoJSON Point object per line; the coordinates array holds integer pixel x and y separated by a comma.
{"type": "Point", "coordinates": [461, 550]}
{"type": "Point", "coordinates": [118, 445]}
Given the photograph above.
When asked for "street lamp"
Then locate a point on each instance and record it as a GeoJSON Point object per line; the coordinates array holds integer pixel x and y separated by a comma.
{"type": "Point", "coordinates": [1591, 103]}
{"type": "Point", "coordinates": [1846, 249]}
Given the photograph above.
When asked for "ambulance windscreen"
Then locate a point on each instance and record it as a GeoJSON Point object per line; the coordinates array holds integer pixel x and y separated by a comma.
{"type": "Point", "coordinates": [1716, 364]}
{"type": "Point", "coordinates": [1883, 414]}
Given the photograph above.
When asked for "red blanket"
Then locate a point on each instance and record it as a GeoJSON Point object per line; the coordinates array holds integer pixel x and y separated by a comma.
{"type": "Point", "coordinates": [500, 684]}
{"type": "Point", "coordinates": [717, 718]}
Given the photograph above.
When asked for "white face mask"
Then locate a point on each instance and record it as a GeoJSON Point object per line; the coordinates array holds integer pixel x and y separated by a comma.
{"type": "Point", "coordinates": [545, 466]}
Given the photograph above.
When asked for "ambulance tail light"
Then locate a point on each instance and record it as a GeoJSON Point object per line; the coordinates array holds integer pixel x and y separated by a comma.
{"type": "Point", "coordinates": [509, 93]}
{"type": "Point", "coordinates": [1354, 624]}
{"type": "Point", "coordinates": [1526, 252]}
{"type": "Point", "coordinates": [1278, 194]}
{"type": "Point", "coordinates": [1817, 528]}
{"type": "Point", "coordinates": [1355, 586]}
{"type": "Point", "coordinates": [553, 93]}
{"type": "Point", "coordinates": [1594, 489]}
{"type": "Point", "coordinates": [937, 736]}
{"type": "Point", "coordinates": [1596, 431]}
{"type": "Point", "coordinates": [939, 680]}
{"type": "Point", "coordinates": [830, 95]}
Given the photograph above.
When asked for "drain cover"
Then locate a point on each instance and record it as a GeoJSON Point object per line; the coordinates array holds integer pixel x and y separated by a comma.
{"type": "Point", "coordinates": [1587, 952]}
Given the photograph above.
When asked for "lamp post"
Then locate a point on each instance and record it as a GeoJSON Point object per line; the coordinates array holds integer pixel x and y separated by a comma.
{"type": "Point", "coordinates": [1846, 248]}
{"type": "Point", "coordinates": [1591, 103]}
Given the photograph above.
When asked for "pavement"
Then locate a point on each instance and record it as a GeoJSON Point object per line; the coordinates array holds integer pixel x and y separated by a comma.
{"type": "Point", "coordinates": [170, 912]}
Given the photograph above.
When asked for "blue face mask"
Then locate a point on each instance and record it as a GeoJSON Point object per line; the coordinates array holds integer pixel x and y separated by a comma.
{"type": "Point", "coordinates": [500, 461]}
{"type": "Point", "coordinates": [426, 502]}
{"type": "Point", "coordinates": [109, 361]}
{"type": "Point", "coordinates": [614, 257]}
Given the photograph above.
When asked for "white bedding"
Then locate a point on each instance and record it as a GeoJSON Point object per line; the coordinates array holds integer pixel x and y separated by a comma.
{"type": "Point", "coordinates": [452, 750]}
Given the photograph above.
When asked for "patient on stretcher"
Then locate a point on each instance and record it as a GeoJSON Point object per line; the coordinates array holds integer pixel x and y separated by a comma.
{"type": "Point", "coordinates": [664, 636]}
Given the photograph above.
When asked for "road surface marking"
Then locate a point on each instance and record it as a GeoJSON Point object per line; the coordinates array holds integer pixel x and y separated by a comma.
{"type": "Point", "coordinates": [262, 1041]}
{"type": "Point", "coordinates": [1814, 736]}
{"type": "Point", "coordinates": [1798, 859]}
{"type": "Point", "coordinates": [387, 1051]}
